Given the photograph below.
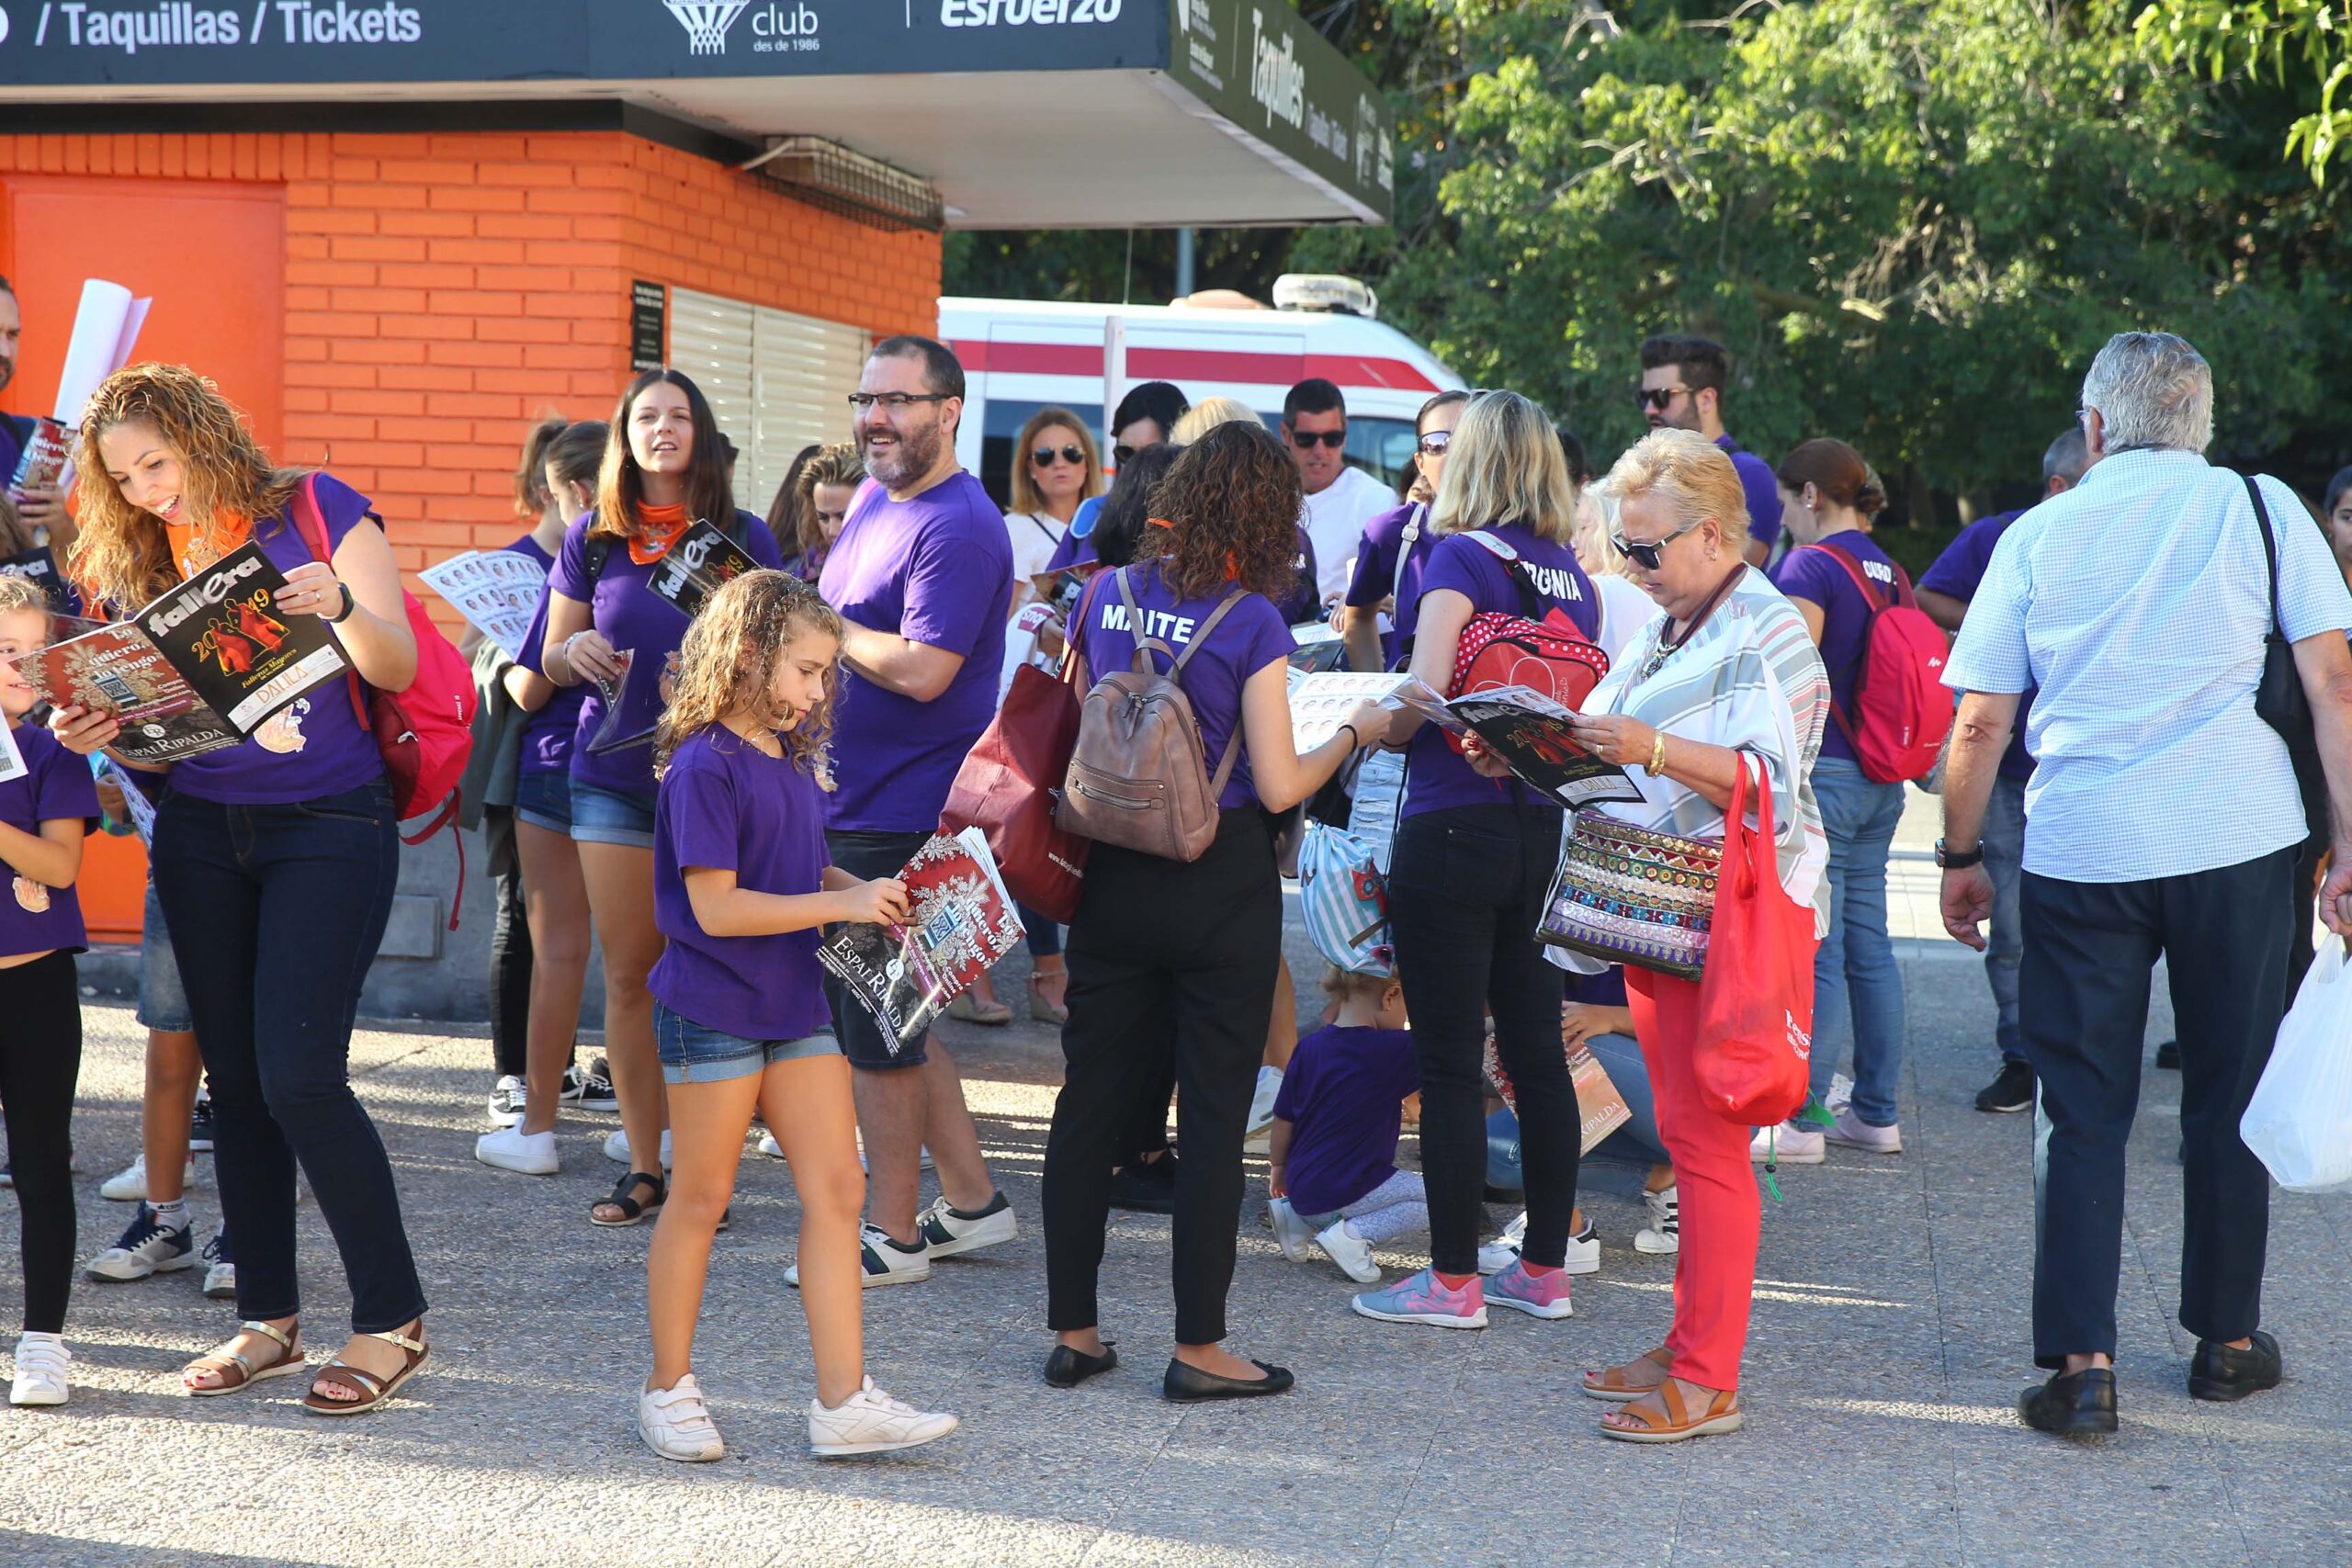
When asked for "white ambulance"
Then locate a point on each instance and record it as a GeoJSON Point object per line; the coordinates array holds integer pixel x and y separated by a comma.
{"type": "Point", "coordinates": [1021, 355]}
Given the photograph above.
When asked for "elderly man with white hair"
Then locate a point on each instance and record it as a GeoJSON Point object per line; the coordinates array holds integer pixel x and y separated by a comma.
{"type": "Point", "coordinates": [2162, 817]}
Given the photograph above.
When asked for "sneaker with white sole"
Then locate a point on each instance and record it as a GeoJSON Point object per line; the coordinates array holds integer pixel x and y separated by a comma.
{"type": "Point", "coordinates": [1291, 1233]}
{"type": "Point", "coordinates": [129, 1185]}
{"type": "Point", "coordinates": [676, 1424]}
{"type": "Point", "coordinates": [1662, 1238]}
{"type": "Point", "coordinates": [506, 1100]}
{"type": "Point", "coordinates": [1842, 1091]}
{"type": "Point", "coordinates": [1788, 1143]}
{"type": "Point", "coordinates": [147, 1246]}
{"type": "Point", "coordinates": [41, 1371]}
{"type": "Point", "coordinates": [768, 1145]}
{"type": "Point", "coordinates": [948, 1232]}
{"type": "Point", "coordinates": [589, 1090]}
{"type": "Point", "coordinates": [882, 1261]}
{"type": "Point", "coordinates": [1259, 1130]}
{"type": "Point", "coordinates": [617, 1148]}
{"type": "Point", "coordinates": [1350, 1251]}
{"type": "Point", "coordinates": [511, 1148]}
{"type": "Point", "coordinates": [1583, 1256]}
{"type": "Point", "coordinates": [1423, 1298]}
{"type": "Point", "coordinates": [221, 1275]}
{"type": "Point", "coordinates": [871, 1422]}
{"type": "Point", "coordinates": [1852, 1133]}
{"type": "Point", "coordinates": [200, 1126]}
{"type": "Point", "coordinates": [1538, 1295]}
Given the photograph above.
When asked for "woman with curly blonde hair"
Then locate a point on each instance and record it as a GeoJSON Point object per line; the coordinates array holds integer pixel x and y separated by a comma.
{"type": "Point", "coordinates": [741, 885]}
{"type": "Point", "coordinates": [275, 862]}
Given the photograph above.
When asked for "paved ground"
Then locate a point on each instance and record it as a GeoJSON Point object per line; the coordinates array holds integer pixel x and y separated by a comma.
{"type": "Point", "coordinates": [1889, 1343]}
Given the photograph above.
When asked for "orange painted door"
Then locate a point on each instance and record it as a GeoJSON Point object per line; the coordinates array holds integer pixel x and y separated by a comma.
{"type": "Point", "coordinates": [212, 256]}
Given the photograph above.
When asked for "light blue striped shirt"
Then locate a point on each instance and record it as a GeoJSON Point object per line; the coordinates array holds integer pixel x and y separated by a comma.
{"type": "Point", "coordinates": [2138, 602]}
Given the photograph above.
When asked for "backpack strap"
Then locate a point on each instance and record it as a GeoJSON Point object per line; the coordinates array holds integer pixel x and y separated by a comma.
{"type": "Point", "coordinates": [596, 550]}
{"type": "Point", "coordinates": [1903, 594]}
{"type": "Point", "coordinates": [1176, 669]}
{"type": "Point", "coordinates": [1405, 547]}
{"type": "Point", "coordinates": [310, 524]}
{"type": "Point", "coordinates": [1531, 602]}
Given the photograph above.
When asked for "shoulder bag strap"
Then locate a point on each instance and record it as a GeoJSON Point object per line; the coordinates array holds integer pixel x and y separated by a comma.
{"type": "Point", "coordinates": [1530, 603]}
{"type": "Point", "coordinates": [1074, 629]}
{"type": "Point", "coordinates": [310, 524]}
{"type": "Point", "coordinates": [2269, 550]}
{"type": "Point", "coordinates": [1412, 536]}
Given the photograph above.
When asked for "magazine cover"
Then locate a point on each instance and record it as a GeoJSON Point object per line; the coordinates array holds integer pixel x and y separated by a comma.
{"type": "Point", "coordinates": [196, 671]}
{"type": "Point", "coordinates": [40, 566]}
{"type": "Point", "coordinates": [960, 920]}
{"type": "Point", "coordinates": [12, 760]}
{"type": "Point", "coordinates": [1600, 1103]}
{"type": "Point", "coordinates": [1529, 731]}
{"type": "Point", "coordinates": [496, 590]}
{"type": "Point", "coordinates": [611, 736]}
{"type": "Point", "coordinates": [1316, 649]}
{"type": "Point", "coordinates": [703, 560]}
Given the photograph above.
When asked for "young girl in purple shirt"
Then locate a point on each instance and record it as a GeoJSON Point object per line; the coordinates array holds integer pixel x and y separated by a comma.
{"type": "Point", "coordinates": [741, 888]}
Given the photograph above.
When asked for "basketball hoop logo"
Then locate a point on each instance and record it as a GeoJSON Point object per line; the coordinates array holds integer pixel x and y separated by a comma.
{"type": "Point", "coordinates": [707, 22]}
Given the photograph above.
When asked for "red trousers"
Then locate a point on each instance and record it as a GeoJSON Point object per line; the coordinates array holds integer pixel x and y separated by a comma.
{"type": "Point", "coordinates": [1715, 1273]}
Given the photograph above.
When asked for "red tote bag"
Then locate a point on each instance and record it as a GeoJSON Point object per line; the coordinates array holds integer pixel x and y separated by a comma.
{"type": "Point", "coordinates": [1755, 1046]}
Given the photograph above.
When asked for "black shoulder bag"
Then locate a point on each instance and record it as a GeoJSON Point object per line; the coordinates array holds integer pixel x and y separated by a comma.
{"type": "Point", "coordinates": [2279, 699]}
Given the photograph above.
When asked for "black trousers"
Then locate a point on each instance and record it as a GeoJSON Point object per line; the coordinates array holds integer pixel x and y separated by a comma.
{"type": "Point", "coordinates": [1466, 890]}
{"type": "Point", "coordinates": [2083, 1011]}
{"type": "Point", "coordinates": [1160, 948]}
{"type": "Point", "coordinates": [510, 946]}
{"type": "Point", "coordinates": [40, 1057]}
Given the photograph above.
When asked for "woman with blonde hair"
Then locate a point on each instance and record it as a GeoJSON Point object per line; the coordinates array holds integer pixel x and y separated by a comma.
{"type": "Point", "coordinates": [1726, 677]}
{"type": "Point", "coordinates": [275, 860]}
{"type": "Point", "coordinates": [812, 504]}
{"type": "Point", "coordinates": [1207, 414]}
{"type": "Point", "coordinates": [1055, 469]}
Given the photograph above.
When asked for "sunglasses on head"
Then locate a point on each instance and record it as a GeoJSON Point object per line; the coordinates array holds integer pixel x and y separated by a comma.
{"type": "Point", "coordinates": [1305, 440]}
{"type": "Point", "coordinates": [1657, 397]}
{"type": "Point", "coordinates": [1647, 555]}
{"type": "Point", "coordinates": [1043, 456]}
{"type": "Point", "coordinates": [1436, 441]}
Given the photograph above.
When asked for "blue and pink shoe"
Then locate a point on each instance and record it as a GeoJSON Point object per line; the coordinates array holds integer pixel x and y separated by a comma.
{"type": "Point", "coordinates": [1544, 1295]}
{"type": "Point", "coordinates": [1422, 1298]}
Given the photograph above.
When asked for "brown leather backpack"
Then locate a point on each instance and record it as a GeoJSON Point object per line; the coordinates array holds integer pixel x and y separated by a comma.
{"type": "Point", "coordinates": [1138, 777]}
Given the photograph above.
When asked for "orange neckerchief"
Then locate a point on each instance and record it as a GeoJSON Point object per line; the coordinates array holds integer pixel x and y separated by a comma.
{"type": "Point", "coordinates": [194, 548]}
{"type": "Point", "coordinates": [659, 527]}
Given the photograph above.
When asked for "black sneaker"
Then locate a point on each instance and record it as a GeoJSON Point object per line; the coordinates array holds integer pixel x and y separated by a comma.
{"type": "Point", "coordinates": [2012, 1090]}
{"type": "Point", "coordinates": [1145, 1186]}
{"type": "Point", "coordinates": [200, 1126]}
{"type": "Point", "coordinates": [2168, 1056]}
{"type": "Point", "coordinates": [590, 1091]}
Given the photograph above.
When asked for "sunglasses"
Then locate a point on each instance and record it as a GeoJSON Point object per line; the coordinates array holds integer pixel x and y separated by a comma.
{"type": "Point", "coordinates": [1646, 556]}
{"type": "Point", "coordinates": [1657, 397]}
{"type": "Point", "coordinates": [1122, 452]}
{"type": "Point", "coordinates": [1435, 442]}
{"type": "Point", "coordinates": [1305, 440]}
{"type": "Point", "coordinates": [1043, 456]}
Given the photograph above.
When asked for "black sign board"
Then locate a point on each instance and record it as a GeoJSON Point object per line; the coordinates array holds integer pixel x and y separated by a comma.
{"type": "Point", "coordinates": [648, 325]}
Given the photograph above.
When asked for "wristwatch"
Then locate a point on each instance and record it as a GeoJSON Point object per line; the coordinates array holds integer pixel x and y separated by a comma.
{"type": "Point", "coordinates": [1958, 860]}
{"type": "Point", "coordinates": [349, 604]}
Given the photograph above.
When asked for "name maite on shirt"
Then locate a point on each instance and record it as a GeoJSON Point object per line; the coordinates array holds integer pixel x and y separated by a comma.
{"type": "Point", "coordinates": [1161, 624]}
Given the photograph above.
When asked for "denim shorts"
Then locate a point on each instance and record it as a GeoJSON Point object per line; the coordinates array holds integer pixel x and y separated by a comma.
{"type": "Point", "coordinates": [601, 816]}
{"type": "Point", "coordinates": [162, 1000]}
{"type": "Point", "coordinates": [691, 1054]}
{"type": "Point", "coordinates": [544, 799]}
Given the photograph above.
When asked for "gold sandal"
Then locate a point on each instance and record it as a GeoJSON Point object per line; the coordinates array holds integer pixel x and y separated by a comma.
{"type": "Point", "coordinates": [1612, 1384]}
{"type": "Point", "coordinates": [1673, 1422]}
{"type": "Point", "coordinates": [379, 1391]}
{"type": "Point", "coordinates": [288, 1362]}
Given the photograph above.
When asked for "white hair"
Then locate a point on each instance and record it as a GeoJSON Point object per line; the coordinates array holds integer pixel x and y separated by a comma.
{"type": "Point", "coordinates": [2152, 390]}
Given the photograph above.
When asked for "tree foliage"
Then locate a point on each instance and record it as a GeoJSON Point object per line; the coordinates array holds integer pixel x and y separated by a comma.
{"type": "Point", "coordinates": [2297, 41]}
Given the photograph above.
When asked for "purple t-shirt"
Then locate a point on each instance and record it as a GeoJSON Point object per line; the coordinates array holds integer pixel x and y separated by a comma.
{"type": "Point", "coordinates": [726, 805]}
{"type": "Point", "coordinates": [330, 753]}
{"type": "Point", "coordinates": [1376, 577]}
{"type": "Point", "coordinates": [1763, 491]}
{"type": "Point", "coordinates": [631, 616]}
{"type": "Point", "coordinates": [1251, 636]}
{"type": "Point", "coordinates": [1957, 572]}
{"type": "Point", "coordinates": [1808, 573]}
{"type": "Point", "coordinates": [1344, 1094]}
{"type": "Point", "coordinates": [935, 569]}
{"type": "Point", "coordinates": [1436, 778]}
{"type": "Point", "coordinates": [37, 917]}
{"type": "Point", "coordinates": [546, 746]}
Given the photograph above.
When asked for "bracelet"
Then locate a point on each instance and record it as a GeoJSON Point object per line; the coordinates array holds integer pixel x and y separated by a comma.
{"type": "Point", "coordinates": [1355, 741]}
{"type": "Point", "coordinates": [1658, 754]}
{"type": "Point", "coordinates": [570, 675]}
{"type": "Point", "coordinates": [349, 604]}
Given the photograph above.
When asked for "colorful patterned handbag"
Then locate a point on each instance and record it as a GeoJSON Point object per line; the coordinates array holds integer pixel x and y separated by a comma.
{"type": "Point", "coordinates": [1633, 896]}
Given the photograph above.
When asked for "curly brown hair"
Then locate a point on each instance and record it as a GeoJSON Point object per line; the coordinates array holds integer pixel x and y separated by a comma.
{"type": "Point", "coordinates": [728, 659]}
{"type": "Point", "coordinates": [1231, 505]}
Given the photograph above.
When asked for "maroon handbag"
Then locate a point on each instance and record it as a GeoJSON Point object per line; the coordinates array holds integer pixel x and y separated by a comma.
{"type": "Point", "coordinates": [1011, 780]}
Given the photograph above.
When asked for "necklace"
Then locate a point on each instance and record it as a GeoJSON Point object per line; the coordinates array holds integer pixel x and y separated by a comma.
{"type": "Point", "coordinates": [1668, 645]}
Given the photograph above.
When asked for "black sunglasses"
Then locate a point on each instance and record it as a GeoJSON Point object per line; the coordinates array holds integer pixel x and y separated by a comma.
{"type": "Point", "coordinates": [1657, 397]}
{"type": "Point", "coordinates": [1647, 555]}
{"type": "Point", "coordinates": [1122, 452]}
{"type": "Point", "coordinates": [1043, 456]}
{"type": "Point", "coordinates": [1436, 441]}
{"type": "Point", "coordinates": [1305, 439]}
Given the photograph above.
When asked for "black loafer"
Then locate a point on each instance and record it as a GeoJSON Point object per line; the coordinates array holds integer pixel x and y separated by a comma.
{"type": "Point", "coordinates": [1190, 1385]}
{"type": "Point", "coordinates": [1145, 1186]}
{"type": "Point", "coordinates": [2079, 1404]}
{"type": "Point", "coordinates": [2218, 1372]}
{"type": "Point", "coordinates": [1068, 1367]}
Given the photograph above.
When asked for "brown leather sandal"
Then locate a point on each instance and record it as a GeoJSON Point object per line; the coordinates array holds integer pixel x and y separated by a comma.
{"type": "Point", "coordinates": [376, 1392]}
{"type": "Point", "coordinates": [1674, 1422]}
{"type": "Point", "coordinates": [289, 1360]}
{"type": "Point", "coordinates": [1611, 1383]}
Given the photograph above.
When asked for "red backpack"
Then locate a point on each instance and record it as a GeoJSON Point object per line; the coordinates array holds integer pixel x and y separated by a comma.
{"type": "Point", "coordinates": [425, 732]}
{"type": "Point", "coordinates": [1539, 648]}
{"type": "Point", "coordinates": [1901, 708]}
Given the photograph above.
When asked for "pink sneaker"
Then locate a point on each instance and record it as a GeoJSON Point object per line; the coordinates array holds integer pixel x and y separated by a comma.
{"type": "Point", "coordinates": [1420, 1298]}
{"type": "Point", "coordinates": [1537, 1296]}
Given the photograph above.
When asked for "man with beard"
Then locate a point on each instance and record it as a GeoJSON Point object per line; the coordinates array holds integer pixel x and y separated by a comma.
{"type": "Point", "coordinates": [1683, 385]}
{"type": "Point", "coordinates": [42, 506]}
{"type": "Point", "coordinates": [922, 578]}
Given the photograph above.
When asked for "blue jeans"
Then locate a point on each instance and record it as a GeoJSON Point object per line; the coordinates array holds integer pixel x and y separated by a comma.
{"type": "Point", "coordinates": [1637, 1142]}
{"type": "Point", "coordinates": [2002, 839]}
{"type": "Point", "coordinates": [692, 1054]}
{"type": "Point", "coordinates": [1857, 990]}
{"type": "Point", "coordinates": [277, 912]}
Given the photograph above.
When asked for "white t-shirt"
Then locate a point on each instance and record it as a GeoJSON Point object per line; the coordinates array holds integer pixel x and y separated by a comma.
{"type": "Point", "coordinates": [1035, 537]}
{"type": "Point", "coordinates": [1624, 610]}
{"type": "Point", "coordinates": [1335, 520]}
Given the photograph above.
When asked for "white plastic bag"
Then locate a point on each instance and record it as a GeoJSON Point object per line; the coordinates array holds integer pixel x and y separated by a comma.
{"type": "Point", "coordinates": [2299, 1123]}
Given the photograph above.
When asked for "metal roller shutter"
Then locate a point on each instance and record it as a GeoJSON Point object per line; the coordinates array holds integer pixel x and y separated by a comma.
{"type": "Point", "coordinates": [775, 381]}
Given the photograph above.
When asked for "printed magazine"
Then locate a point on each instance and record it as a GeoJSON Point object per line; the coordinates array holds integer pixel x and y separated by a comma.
{"type": "Point", "coordinates": [1529, 731]}
{"type": "Point", "coordinates": [703, 560]}
{"type": "Point", "coordinates": [496, 590]}
{"type": "Point", "coordinates": [960, 920]}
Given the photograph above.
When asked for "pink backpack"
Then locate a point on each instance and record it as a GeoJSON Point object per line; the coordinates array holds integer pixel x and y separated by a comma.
{"type": "Point", "coordinates": [1901, 708]}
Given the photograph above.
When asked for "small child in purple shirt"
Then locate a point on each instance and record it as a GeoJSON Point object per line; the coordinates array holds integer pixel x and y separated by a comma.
{"type": "Point", "coordinates": [1333, 1146]}
{"type": "Point", "coordinates": [742, 887]}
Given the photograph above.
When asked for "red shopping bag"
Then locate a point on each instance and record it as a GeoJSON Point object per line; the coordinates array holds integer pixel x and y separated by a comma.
{"type": "Point", "coordinates": [1754, 1044]}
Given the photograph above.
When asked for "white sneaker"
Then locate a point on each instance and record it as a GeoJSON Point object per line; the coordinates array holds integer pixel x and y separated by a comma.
{"type": "Point", "coordinates": [871, 1422]}
{"type": "Point", "coordinates": [1663, 1235]}
{"type": "Point", "coordinates": [1584, 1251]}
{"type": "Point", "coordinates": [511, 1148]}
{"type": "Point", "coordinates": [1503, 1251]}
{"type": "Point", "coordinates": [1852, 1132]}
{"type": "Point", "coordinates": [882, 1260]}
{"type": "Point", "coordinates": [220, 1269]}
{"type": "Point", "coordinates": [617, 1148]}
{"type": "Point", "coordinates": [1842, 1091]}
{"type": "Point", "coordinates": [1350, 1251]}
{"type": "Point", "coordinates": [1787, 1144]}
{"type": "Point", "coordinates": [947, 1233]}
{"type": "Point", "coordinates": [1261, 1109]}
{"type": "Point", "coordinates": [506, 1100]}
{"type": "Point", "coordinates": [41, 1371]}
{"type": "Point", "coordinates": [675, 1423]}
{"type": "Point", "coordinates": [1291, 1233]}
{"type": "Point", "coordinates": [774, 1150]}
{"type": "Point", "coordinates": [129, 1185]}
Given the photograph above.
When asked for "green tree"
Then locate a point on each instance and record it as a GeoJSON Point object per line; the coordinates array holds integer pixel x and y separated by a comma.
{"type": "Point", "coordinates": [2298, 41]}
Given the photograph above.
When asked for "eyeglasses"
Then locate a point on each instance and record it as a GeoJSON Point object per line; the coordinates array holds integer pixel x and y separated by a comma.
{"type": "Point", "coordinates": [1122, 452]}
{"type": "Point", "coordinates": [894, 402]}
{"type": "Point", "coordinates": [1646, 556]}
{"type": "Point", "coordinates": [1658, 397]}
{"type": "Point", "coordinates": [1435, 442]}
{"type": "Point", "coordinates": [1043, 456]}
{"type": "Point", "coordinates": [1305, 440]}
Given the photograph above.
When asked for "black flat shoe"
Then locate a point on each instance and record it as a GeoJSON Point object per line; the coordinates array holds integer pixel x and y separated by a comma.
{"type": "Point", "coordinates": [2220, 1372]}
{"type": "Point", "coordinates": [1147, 1187]}
{"type": "Point", "coordinates": [1190, 1385]}
{"type": "Point", "coordinates": [2080, 1405]}
{"type": "Point", "coordinates": [1066, 1367]}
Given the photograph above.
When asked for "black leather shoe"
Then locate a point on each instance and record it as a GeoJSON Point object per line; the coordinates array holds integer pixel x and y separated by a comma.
{"type": "Point", "coordinates": [1189, 1385]}
{"type": "Point", "coordinates": [2216, 1371]}
{"type": "Point", "coordinates": [2168, 1056]}
{"type": "Point", "coordinates": [2079, 1404]}
{"type": "Point", "coordinates": [1145, 1186]}
{"type": "Point", "coordinates": [1066, 1367]}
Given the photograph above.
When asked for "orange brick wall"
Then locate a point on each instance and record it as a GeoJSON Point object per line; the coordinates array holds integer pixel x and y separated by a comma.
{"type": "Point", "coordinates": [442, 291]}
